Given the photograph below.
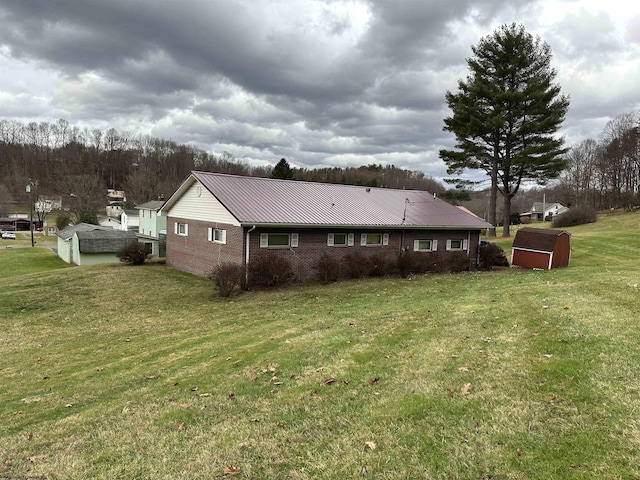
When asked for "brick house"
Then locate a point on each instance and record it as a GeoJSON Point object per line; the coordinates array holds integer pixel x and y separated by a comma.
{"type": "Point", "coordinates": [214, 218]}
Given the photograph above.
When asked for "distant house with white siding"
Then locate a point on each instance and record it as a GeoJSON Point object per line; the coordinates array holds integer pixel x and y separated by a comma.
{"type": "Point", "coordinates": [152, 227]}
{"type": "Point", "coordinates": [130, 220]}
{"type": "Point", "coordinates": [541, 211]}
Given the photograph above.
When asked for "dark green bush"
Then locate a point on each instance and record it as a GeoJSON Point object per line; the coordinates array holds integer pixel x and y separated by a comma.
{"type": "Point", "coordinates": [458, 262]}
{"type": "Point", "coordinates": [327, 269]}
{"type": "Point", "coordinates": [445, 262]}
{"type": "Point", "coordinates": [405, 263]}
{"type": "Point", "coordinates": [417, 262]}
{"type": "Point", "coordinates": [270, 271]}
{"type": "Point", "coordinates": [134, 253]}
{"type": "Point", "coordinates": [492, 255]}
{"type": "Point", "coordinates": [379, 265]}
{"type": "Point", "coordinates": [227, 276]}
{"type": "Point", "coordinates": [355, 265]}
{"type": "Point", "coordinates": [574, 216]}
{"type": "Point", "coordinates": [437, 263]}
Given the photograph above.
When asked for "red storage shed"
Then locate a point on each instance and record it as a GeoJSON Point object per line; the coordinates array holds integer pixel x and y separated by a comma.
{"type": "Point", "coordinates": [541, 248]}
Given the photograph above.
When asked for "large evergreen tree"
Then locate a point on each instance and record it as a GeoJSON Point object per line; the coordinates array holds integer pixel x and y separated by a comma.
{"type": "Point", "coordinates": [506, 114]}
{"type": "Point", "coordinates": [282, 170]}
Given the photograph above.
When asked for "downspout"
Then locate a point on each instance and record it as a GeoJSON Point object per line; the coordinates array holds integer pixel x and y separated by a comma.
{"type": "Point", "coordinates": [246, 255]}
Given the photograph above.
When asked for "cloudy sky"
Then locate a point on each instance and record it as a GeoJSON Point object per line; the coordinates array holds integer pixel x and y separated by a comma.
{"type": "Point", "coordinates": [319, 82]}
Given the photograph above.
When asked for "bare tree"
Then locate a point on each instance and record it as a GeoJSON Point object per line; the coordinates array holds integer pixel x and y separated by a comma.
{"type": "Point", "coordinates": [618, 169]}
{"type": "Point", "coordinates": [82, 195]}
{"type": "Point", "coordinates": [579, 180]}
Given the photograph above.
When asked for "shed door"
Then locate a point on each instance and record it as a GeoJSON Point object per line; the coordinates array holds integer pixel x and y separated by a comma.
{"type": "Point", "coordinates": [562, 251]}
{"type": "Point", "coordinates": [523, 258]}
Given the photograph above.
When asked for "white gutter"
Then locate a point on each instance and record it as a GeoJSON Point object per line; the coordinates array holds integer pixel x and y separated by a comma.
{"type": "Point", "coordinates": [364, 227]}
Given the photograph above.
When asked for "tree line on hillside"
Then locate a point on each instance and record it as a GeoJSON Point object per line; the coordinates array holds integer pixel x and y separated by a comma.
{"type": "Point", "coordinates": [80, 164]}
{"type": "Point", "coordinates": [372, 175]}
{"type": "Point", "coordinates": [605, 173]}
{"type": "Point", "coordinates": [599, 174]}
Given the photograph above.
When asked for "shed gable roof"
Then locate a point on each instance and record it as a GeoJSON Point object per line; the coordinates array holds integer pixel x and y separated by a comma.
{"type": "Point", "coordinates": [104, 241]}
{"type": "Point", "coordinates": [68, 232]}
{"type": "Point", "coordinates": [254, 200]}
{"type": "Point", "coordinates": [537, 238]}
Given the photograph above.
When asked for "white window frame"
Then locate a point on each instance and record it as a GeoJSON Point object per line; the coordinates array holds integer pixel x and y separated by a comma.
{"type": "Point", "coordinates": [464, 245]}
{"type": "Point", "coordinates": [365, 237]}
{"type": "Point", "coordinates": [181, 229]}
{"type": "Point", "coordinates": [433, 245]}
{"type": "Point", "coordinates": [217, 235]}
{"type": "Point", "coordinates": [292, 243]}
{"type": "Point", "coordinates": [348, 237]}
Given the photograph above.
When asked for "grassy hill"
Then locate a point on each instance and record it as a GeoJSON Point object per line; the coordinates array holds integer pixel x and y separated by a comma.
{"type": "Point", "coordinates": [140, 372]}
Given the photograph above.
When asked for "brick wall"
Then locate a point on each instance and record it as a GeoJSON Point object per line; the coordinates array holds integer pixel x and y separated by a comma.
{"type": "Point", "coordinates": [312, 244]}
{"type": "Point", "coordinates": [194, 253]}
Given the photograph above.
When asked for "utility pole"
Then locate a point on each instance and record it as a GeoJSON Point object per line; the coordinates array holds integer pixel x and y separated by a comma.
{"type": "Point", "coordinates": [29, 191]}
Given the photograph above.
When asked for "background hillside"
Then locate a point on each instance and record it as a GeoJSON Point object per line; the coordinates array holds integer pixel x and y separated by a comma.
{"type": "Point", "coordinates": [63, 160]}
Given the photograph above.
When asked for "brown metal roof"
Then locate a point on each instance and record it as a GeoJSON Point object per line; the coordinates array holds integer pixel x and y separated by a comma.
{"type": "Point", "coordinates": [537, 238]}
{"type": "Point", "coordinates": [254, 200]}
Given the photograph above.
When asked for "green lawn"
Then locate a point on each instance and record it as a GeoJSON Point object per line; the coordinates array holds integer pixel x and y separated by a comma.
{"type": "Point", "coordinates": [140, 372]}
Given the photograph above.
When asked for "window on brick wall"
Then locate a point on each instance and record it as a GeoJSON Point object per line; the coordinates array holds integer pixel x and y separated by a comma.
{"type": "Point", "coordinates": [374, 239]}
{"type": "Point", "coordinates": [217, 235]}
{"type": "Point", "coordinates": [456, 245]}
{"type": "Point", "coordinates": [181, 229]}
{"type": "Point", "coordinates": [340, 239]}
{"type": "Point", "coordinates": [425, 245]}
{"type": "Point", "coordinates": [278, 240]}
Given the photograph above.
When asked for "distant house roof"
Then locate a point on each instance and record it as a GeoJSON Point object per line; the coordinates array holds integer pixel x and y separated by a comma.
{"type": "Point", "coordinates": [68, 232]}
{"type": "Point", "coordinates": [537, 238]}
{"type": "Point", "coordinates": [109, 222]}
{"type": "Point", "coordinates": [539, 206]}
{"type": "Point", "coordinates": [152, 205]}
{"type": "Point", "coordinates": [131, 213]}
{"type": "Point", "coordinates": [104, 241]}
{"type": "Point", "coordinates": [264, 201]}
